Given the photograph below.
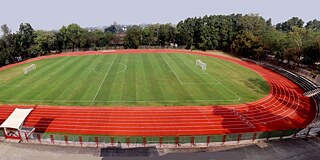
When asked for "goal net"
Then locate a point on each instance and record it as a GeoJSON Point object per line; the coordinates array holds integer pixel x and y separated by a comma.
{"type": "Point", "coordinates": [201, 64]}
{"type": "Point", "coordinates": [26, 70]}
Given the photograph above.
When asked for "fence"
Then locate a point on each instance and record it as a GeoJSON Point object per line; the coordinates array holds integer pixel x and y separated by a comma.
{"type": "Point", "coordinates": [153, 141]}
{"type": "Point", "coordinates": [315, 78]}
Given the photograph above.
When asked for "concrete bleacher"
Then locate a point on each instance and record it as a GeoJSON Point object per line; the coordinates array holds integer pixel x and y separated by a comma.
{"type": "Point", "coordinates": [305, 84]}
{"type": "Point", "coordinates": [312, 92]}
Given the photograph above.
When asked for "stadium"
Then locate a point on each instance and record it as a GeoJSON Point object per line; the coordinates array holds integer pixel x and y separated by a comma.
{"type": "Point", "coordinates": [154, 97]}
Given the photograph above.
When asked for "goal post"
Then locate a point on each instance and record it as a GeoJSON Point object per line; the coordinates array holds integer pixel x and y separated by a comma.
{"type": "Point", "coordinates": [32, 67]}
{"type": "Point", "coordinates": [201, 64]}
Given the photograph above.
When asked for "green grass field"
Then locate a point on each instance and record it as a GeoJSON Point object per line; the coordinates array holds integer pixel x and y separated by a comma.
{"type": "Point", "coordinates": [131, 80]}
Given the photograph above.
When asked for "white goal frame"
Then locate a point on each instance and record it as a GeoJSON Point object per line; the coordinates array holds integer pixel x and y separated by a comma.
{"type": "Point", "coordinates": [32, 67]}
{"type": "Point", "coordinates": [201, 64]}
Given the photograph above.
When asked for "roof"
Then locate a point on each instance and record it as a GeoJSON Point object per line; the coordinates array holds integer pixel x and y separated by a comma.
{"type": "Point", "coordinates": [16, 119]}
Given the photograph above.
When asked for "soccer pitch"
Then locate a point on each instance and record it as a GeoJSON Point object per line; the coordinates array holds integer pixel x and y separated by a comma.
{"type": "Point", "coordinates": [166, 79]}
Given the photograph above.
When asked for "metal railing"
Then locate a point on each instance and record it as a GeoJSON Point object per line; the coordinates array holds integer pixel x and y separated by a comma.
{"type": "Point", "coordinates": [157, 141]}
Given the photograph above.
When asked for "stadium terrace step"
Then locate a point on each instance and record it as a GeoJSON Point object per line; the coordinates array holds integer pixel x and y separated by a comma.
{"type": "Point", "coordinates": [312, 92]}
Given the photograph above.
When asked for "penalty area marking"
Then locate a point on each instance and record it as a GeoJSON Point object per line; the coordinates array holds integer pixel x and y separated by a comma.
{"type": "Point", "coordinates": [183, 83]}
{"type": "Point", "coordinates": [186, 83]}
{"type": "Point", "coordinates": [57, 70]}
{"type": "Point", "coordinates": [188, 64]}
{"type": "Point", "coordinates": [226, 87]}
{"type": "Point", "coordinates": [218, 82]}
{"type": "Point", "coordinates": [172, 70]}
{"type": "Point", "coordinates": [205, 72]}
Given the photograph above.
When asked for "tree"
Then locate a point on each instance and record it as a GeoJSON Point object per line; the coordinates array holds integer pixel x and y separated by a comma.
{"type": "Point", "coordinates": [287, 25]}
{"type": "Point", "coordinates": [164, 35]}
{"type": "Point", "coordinates": [58, 42]}
{"type": "Point", "coordinates": [74, 32]}
{"type": "Point", "coordinates": [109, 37]}
{"type": "Point", "coordinates": [223, 32]}
{"type": "Point", "coordinates": [99, 38]}
{"type": "Point", "coordinates": [133, 37]}
{"type": "Point", "coordinates": [274, 42]}
{"type": "Point", "coordinates": [245, 43]}
{"type": "Point", "coordinates": [87, 40]}
{"type": "Point", "coordinates": [252, 22]}
{"type": "Point", "coordinates": [311, 47]}
{"type": "Point", "coordinates": [269, 22]}
{"type": "Point", "coordinates": [71, 36]}
{"type": "Point", "coordinates": [150, 35]}
{"type": "Point", "coordinates": [201, 35]}
{"type": "Point", "coordinates": [185, 32]}
{"type": "Point", "coordinates": [172, 33]}
{"type": "Point", "coordinates": [9, 46]}
{"type": "Point", "coordinates": [26, 37]}
{"type": "Point", "coordinates": [5, 30]}
{"type": "Point", "coordinates": [296, 38]}
{"type": "Point", "coordinates": [45, 41]}
{"type": "Point", "coordinates": [66, 44]}
{"type": "Point", "coordinates": [248, 41]}
{"type": "Point", "coordinates": [313, 25]}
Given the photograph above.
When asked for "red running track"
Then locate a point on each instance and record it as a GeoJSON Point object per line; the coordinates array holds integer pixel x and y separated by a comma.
{"type": "Point", "coordinates": [283, 108]}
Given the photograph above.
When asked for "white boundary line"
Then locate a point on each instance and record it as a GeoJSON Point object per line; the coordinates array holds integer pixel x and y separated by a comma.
{"type": "Point", "coordinates": [225, 86]}
{"type": "Point", "coordinates": [57, 70]}
{"type": "Point", "coordinates": [186, 63]}
{"type": "Point", "coordinates": [163, 66]}
{"type": "Point", "coordinates": [203, 72]}
{"type": "Point", "coordinates": [217, 81]}
{"type": "Point", "coordinates": [104, 78]}
{"type": "Point", "coordinates": [122, 70]}
{"type": "Point", "coordinates": [200, 83]}
{"type": "Point", "coordinates": [171, 70]}
{"type": "Point", "coordinates": [11, 85]}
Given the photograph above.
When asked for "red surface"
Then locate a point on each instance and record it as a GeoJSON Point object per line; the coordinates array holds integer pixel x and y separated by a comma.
{"type": "Point", "coordinates": [283, 108]}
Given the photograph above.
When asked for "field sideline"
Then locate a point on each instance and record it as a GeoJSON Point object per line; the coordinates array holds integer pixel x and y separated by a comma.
{"type": "Point", "coordinates": [131, 80]}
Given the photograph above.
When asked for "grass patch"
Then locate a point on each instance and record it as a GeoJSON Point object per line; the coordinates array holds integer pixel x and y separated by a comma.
{"type": "Point", "coordinates": [131, 80]}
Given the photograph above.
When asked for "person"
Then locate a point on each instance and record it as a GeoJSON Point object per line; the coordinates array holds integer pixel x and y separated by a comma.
{"type": "Point", "coordinates": [11, 133]}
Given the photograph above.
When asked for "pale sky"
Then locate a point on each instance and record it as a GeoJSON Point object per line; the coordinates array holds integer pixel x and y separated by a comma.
{"type": "Point", "coordinates": [52, 14]}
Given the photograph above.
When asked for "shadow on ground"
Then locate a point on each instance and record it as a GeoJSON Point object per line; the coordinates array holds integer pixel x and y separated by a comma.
{"type": "Point", "coordinates": [43, 124]}
{"type": "Point", "coordinates": [129, 152]}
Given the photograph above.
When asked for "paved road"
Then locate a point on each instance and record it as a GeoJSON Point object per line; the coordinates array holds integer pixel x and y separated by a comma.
{"type": "Point", "coordinates": [12, 151]}
{"type": "Point", "coordinates": [282, 150]}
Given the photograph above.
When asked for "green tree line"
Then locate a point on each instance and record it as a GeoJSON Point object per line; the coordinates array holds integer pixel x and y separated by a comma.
{"type": "Point", "coordinates": [27, 42]}
{"type": "Point", "coordinates": [248, 35]}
